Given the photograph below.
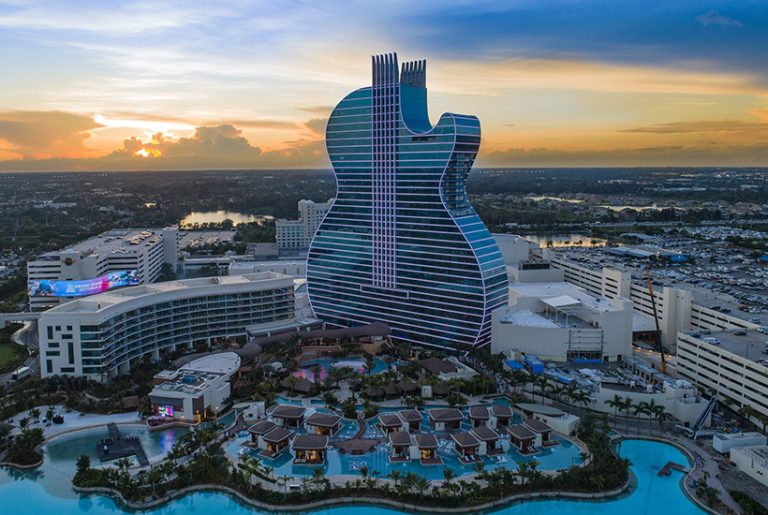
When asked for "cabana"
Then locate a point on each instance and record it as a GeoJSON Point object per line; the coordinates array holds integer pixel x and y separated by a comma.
{"type": "Point", "coordinates": [467, 446]}
{"type": "Point", "coordinates": [401, 443]}
{"type": "Point", "coordinates": [275, 442]}
{"type": "Point", "coordinates": [391, 422]}
{"type": "Point", "coordinates": [323, 423]}
{"type": "Point", "coordinates": [288, 416]}
{"type": "Point", "coordinates": [502, 415]}
{"type": "Point", "coordinates": [310, 449]}
{"type": "Point", "coordinates": [490, 438]}
{"type": "Point", "coordinates": [523, 439]}
{"type": "Point", "coordinates": [413, 417]}
{"type": "Point", "coordinates": [543, 431]}
{"type": "Point", "coordinates": [443, 419]}
{"type": "Point", "coordinates": [427, 446]}
{"type": "Point", "coordinates": [479, 416]}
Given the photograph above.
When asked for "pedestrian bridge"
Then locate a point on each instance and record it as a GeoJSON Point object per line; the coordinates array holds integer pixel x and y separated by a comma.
{"type": "Point", "coordinates": [17, 317]}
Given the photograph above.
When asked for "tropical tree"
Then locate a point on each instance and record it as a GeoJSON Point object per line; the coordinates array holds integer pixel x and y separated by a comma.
{"type": "Point", "coordinates": [292, 381]}
{"type": "Point", "coordinates": [616, 403]}
{"type": "Point", "coordinates": [661, 414]}
{"type": "Point", "coordinates": [746, 413]}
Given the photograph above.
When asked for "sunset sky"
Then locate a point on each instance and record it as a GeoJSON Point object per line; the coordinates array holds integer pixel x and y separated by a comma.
{"type": "Point", "coordinates": [151, 85]}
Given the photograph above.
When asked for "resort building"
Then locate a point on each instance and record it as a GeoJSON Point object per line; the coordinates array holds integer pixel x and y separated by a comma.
{"type": "Point", "coordinates": [523, 439]}
{"type": "Point", "coordinates": [558, 321]}
{"type": "Point", "coordinates": [559, 420]}
{"type": "Point", "coordinates": [414, 270]}
{"type": "Point", "coordinates": [198, 389]}
{"type": "Point", "coordinates": [724, 442]}
{"type": "Point", "coordinates": [103, 335]}
{"type": "Point", "coordinates": [466, 445]}
{"type": "Point", "coordinates": [677, 309]}
{"type": "Point", "coordinates": [270, 438]}
{"type": "Point", "coordinates": [753, 461]}
{"type": "Point", "coordinates": [323, 423]}
{"type": "Point", "coordinates": [275, 442]}
{"type": "Point", "coordinates": [392, 422]}
{"type": "Point", "coordinates": [446, 369]}
{"type": "Point", "coordinates": [542, 430]}
{"type": "Point", "coordinates": [297, 234]}
{"type": "Point", "coordinates": [402, 444]}
{"type": "Point", "coordinates": [413, 418]}
{"type": "Point", "coordinates": [427, 447]}
{"type": "Point", "coordinates": [501, 416]}
{"type": "Point", "coordinates": [489, 439]}
{"type": "Point", "coordinates": [444, 419]}
{"type": "Point", "coordinates": [285, 415]}
{"type": "Point", "coordinates": [732, 363]}
{"type": "Point", "coordinates": [120, 257]}
{"type": "Point", "coordinates": [479, 416]}
{"type": "Point", "coordinates": [258, 430]}
{"type": "Point", "coordinates": [309, 449]}
{"type": "Point", "coordinates": [679, 397]}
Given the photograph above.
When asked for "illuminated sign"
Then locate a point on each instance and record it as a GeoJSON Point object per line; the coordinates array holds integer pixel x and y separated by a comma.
{"type": "Point", "coordinates": [165, 411]}
{"type": "Point", "coordinates": [48, 288]}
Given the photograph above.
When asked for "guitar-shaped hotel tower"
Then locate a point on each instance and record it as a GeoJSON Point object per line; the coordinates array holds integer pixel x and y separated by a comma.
{"type": "Point", "coordinates": [402, 244]}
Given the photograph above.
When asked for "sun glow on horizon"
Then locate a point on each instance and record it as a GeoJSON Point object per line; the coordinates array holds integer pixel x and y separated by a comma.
{"type": "Point", "coordinates": [148, 152]}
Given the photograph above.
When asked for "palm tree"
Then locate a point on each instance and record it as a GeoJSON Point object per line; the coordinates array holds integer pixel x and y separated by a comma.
{"type": "Point", "coordinates": [395, 477]}
{"type": "Point", "coordinates": [661, 414]}
{"type": "Point", "coordinates": [449, 475]}
{"type": "Point", "coordinates": [292, 381]}
{"type": "Point", "coordinates": [542, 383]}
{"type": "Point", "coordinates": [643, 408]}
{"type": "Point", "coordinates": [746, 413]}
{"type": "Point", "coordinates": [763, 420]}
{"type": "Point", "coordinates": [616, 403]}
{"type": "Point", "coordinates": [626, 406]}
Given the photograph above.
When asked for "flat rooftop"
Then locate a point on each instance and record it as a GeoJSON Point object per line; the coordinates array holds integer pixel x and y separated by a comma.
{"type": "Point", "coordinates": [115, 241]}
{"type": "Point", "coordinates": [190, 382]}
{"type": "Point", "coordinates": [745, 343]}
{"type": "Point", "coordinates": [551, 290]}
{"type": "Point", "coordinates": [107, 299]}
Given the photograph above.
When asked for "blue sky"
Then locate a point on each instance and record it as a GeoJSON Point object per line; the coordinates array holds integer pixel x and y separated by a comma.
{"type": "Point", "coordinates": [557, 83]}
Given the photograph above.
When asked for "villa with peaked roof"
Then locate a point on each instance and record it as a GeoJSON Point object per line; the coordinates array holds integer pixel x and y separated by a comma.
{"type": "Point", "coordinates": [466, 445]}
{"type": "Point", "coordinates": [479, 416]}
{"type": "Point", "coordinates": [401, 442]}
{"type": "Point", "coordinates": [391, 422]}
{"type": "Point", "coordinates": [542, 430]}
{"type": "Point", "coordinates": [427, 447]}
{"type": "Point", "coordinates": [501, 416]}
{"type": "Point", "coordinates": [523, 439]}
{"type": "Point", "coordinates": [443, 419]}
{"type": "Point", "coordinates": [288, 416]}
{"type": "Point", "coordinates": [323, 423]}
{"type": "Point", "coordinates": [489, 440]}
{"type": "Point", "coordinates": [310, 449]}
{"type": "Point", "coordinates": [413, 417]}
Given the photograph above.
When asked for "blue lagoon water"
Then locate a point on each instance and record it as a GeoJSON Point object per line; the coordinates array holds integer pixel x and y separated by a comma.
{"type": "Point", "coordinates": [44, 492]}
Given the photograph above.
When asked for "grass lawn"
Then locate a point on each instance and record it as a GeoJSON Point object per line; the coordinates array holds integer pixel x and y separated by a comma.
{"type": "Point", "coordinates": [12, 355]}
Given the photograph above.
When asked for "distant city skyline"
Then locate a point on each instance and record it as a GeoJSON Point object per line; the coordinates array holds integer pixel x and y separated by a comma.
{"type": "Point", "coordinates": [163, 85]}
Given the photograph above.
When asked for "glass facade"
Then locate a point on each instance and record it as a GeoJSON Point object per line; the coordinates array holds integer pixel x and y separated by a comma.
{"type": "Point", "coordinates": [401, 243]}
{"type": "Point", "coordinates": [129, 335]}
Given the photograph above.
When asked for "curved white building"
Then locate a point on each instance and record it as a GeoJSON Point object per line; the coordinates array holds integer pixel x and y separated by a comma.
{"type": "Point", "coordinates": [100, 336]}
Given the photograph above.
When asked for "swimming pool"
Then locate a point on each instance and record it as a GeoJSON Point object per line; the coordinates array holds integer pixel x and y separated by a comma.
{"type": "Point", "coordinates": [26, 493]}
{"type": "Point", "coordinates": [378, 464]}
{"type": "Point", "coordinates": [356, 363]}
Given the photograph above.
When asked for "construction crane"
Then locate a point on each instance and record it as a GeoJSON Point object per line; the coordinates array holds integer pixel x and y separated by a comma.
{"type": "Point", "coordinates": [656, 319]}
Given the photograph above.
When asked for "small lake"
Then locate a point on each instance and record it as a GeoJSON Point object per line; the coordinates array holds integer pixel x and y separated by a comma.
{"type": "Point", "coordinates": [566, 240]}
{"type": "Point", "coordinates": [215, 217]}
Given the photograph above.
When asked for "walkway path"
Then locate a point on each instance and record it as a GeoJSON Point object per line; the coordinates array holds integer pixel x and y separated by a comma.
{"type": "Point", "coordinates": [75, 420]}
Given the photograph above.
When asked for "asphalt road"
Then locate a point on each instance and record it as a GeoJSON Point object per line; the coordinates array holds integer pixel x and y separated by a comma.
{"type": "Point", "coordinates": [26, 336]}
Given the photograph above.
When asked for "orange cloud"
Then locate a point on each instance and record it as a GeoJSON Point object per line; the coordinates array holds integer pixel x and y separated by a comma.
{"type": "Point", "coordinates": [44, 134]}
